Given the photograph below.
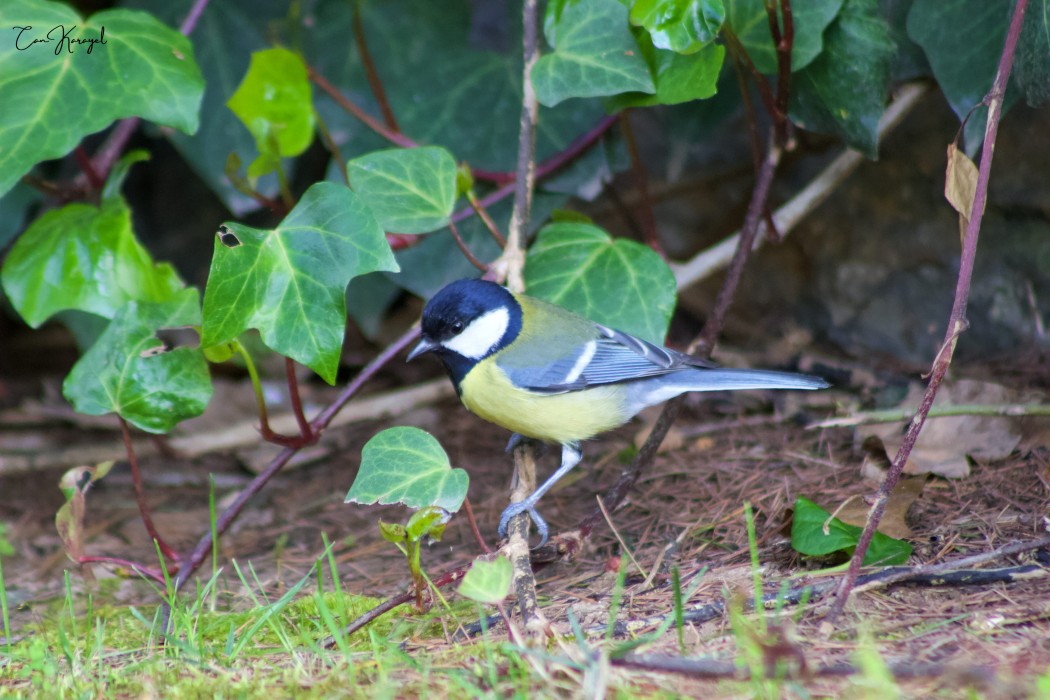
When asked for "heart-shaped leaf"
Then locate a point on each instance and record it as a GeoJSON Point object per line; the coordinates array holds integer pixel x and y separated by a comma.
{"type": "Point", "coordinates": [410, 190]}
{"type": "Point", "coordinates": [594, 55]}
{"type": "Point", "coordinates": [274, 101]}
{"type": "Point", "coordinates": [487, 581]}
{"type": "Point", "coordinates": [57, 90]}
{"type": "Point", "coordinates": [408, 465]}
{"type": "Point", "coordinates": [84, 258]}
{"type": "Point", "coordinates": [622, 284]}
{"type": "Point", "coordinates": [126, 371]}
{"type": "Point", "coordinates": [290, 282]}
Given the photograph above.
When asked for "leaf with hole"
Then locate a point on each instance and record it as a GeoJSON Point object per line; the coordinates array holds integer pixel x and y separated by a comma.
{"type": "Point", "coordinates": [408, 465]}
{"type": "Point", "coordinates": [127, 373]}
{"type": "Point", "coordinates": [55, 92]}
{"type": "Point", "coordinates": [410, 190]}
{"type": "Point", "coordinates": [290, 282]}
{"type": "Point", "coordinates": [619, 283]}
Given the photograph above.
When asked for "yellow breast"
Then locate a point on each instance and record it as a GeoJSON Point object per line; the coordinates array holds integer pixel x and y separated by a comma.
{"type": "Point", "coordinates": [558, 418]}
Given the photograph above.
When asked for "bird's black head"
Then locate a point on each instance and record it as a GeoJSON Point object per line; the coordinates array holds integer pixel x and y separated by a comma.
{"type": "Point", "coordinates": [467, 321]}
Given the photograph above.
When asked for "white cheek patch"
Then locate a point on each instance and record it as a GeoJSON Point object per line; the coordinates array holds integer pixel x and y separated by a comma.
{"type": "Point", "coordinates": [479, 338]}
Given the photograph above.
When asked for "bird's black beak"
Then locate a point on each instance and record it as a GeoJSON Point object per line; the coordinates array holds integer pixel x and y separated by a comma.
{"type": "Point", "coordinates": [424, 346]}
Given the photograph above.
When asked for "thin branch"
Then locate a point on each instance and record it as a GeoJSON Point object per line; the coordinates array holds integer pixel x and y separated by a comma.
{"type": "Point", "coordinates": [468, 509]}
{"type": "Point", "coordinates": [149, 572]}
{"type": "Point", "coordinates": [464, 249]}
{"type": "Point", "coordinates": [956, 320]}
{"type": "Point", "coordinates": [641, 184]}
{"type": "Point", "coordinates": [140, 496]}
{"type": "Point", "coordinates": [192, 17]}
{"type": "Point", "coordinates": [374, 83]}
{"type": "Point", "coordinates": [347, 104]}
{"type": "Point", "coordinates": [497, 235]}
{"type": "Point", "coordinates": [306, 433]}
{"type": "Point", "coordinates": [895, 415]}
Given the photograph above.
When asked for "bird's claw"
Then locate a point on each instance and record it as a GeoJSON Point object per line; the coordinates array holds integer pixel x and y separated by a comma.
{"type": "Point", "coordinates": [526, 506]}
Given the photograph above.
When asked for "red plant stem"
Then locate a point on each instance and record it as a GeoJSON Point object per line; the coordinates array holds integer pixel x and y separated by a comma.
{"type": "Point", "coordinates": [192, 17]}
{"type": "Point", "coordinates": [765, 91]}
{"type": "Point", "coordinates": [759, 198]}
{"type": "Point", "coordinates": [305, 432]}
{"type": "Point", "coordinates": [469, 510]}
{"type": "Point", "coordinates": [393, 137]}
{"type": "Point", "coordinates": [957, 319]}
{"type": "Point", "coordinates": [84, 161]}
{"type": "Point", "coordinates": [464, 249]}
{"type": "Point", "coordinates": [784, 40]}
{"type": "Point", "coordinates": [194, 560]}
{"type": "Point", "coordinates": [140, 496]}
{"type": "Point", "coordinates": [374, 82]}
{"type": "Point", "coordinates": [641, 183]}
{"type": "Point", "coordinates": [486, 219]}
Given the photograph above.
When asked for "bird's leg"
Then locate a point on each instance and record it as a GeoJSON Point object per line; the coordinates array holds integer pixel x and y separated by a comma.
{"type": "Point", "coordinates": [570, 457]}
{"type": "Point", "coordinates": [519, 439]}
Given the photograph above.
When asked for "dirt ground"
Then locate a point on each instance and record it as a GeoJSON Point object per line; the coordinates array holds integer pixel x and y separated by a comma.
{"type": "Point", "coordinates": [687, 512]}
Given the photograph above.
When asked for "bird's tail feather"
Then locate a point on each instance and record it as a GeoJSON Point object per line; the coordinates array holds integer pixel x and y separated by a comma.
{"type": "Point", "coordinates": [649, 392]}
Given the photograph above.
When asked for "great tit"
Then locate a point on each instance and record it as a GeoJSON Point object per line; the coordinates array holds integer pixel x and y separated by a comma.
{"type": "Point", "coordinates": [546, 373]}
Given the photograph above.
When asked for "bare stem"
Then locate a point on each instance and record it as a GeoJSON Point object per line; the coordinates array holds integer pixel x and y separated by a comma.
{"type": "Point", "coordinates": [374, 82]}
{"type": "Point", "coordinates": [140, 495]}
{"type": "Point", "coordinates": [957, 319]}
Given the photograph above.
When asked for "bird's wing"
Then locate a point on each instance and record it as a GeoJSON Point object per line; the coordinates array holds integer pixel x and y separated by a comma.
{"type": "Point", "coordinates": [610, 358]}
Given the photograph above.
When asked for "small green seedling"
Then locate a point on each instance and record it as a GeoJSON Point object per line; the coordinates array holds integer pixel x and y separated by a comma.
{"type": "Point", "coordinates": [815, 533]}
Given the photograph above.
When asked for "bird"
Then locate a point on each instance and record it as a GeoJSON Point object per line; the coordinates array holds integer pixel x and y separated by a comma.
{"type": "Point", "coordinates": [546, 373]}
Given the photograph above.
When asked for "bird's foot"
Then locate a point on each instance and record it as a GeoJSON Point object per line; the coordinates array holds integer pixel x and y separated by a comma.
{"type": "Point", "coordinates": [517, 439]}
{"type": "Point", "coordinates": [526, 506]}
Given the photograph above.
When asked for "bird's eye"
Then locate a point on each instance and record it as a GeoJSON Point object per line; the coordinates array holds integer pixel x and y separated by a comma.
{"type": "Point", "coordinates": [457, 327]}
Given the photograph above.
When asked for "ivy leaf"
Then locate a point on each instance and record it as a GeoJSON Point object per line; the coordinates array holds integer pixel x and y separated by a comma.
{"type": "Point", "coordinates": [84, 258]}
{"type": "Point", "coordinates": [408, 465]}
{"type": "Point", "coordinates": [410, 190]}
{"type": "Point", "coordinates": [679, 78]}
{"type": "Point", "coordinates": [962, 40]}
{"type": "Point", "coordinates": [844, 90]}
{"type": "Point", "coordinates": [750, 23]}
{"type": "Point", "coordinates": [429, 521]}
{"type": "Point", "coordinates": [55, 93]}
{"type": "Point", "coordinates": [594, 55]}
{"type": "Point", "coordinates": [290, 282]}
{"type": "Point", "coordinates": [127, 372]}
{"type": "Point", "coordinates": [1032, 64]}
{"type": "Point", "coordinates": [487, 581]}
{"type": "Point", "coordinates": [808, 537]}
{"type": "Point", "coordinates": [682, 26]}
{"type": "Point", "coordinates": [274, 101]}
{"type": "Point", "coordinates": [619, 283]}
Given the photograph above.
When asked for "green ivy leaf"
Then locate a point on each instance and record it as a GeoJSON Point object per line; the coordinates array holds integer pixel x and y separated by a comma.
{"type": "Point", "coordinates": [410, 190]}
{"type": "Point", "coordinates": [290, 282]}
{"type": "Point", "coordinates": [682, 26]}
{"type": "Point", "coordinates": [594, 55]}
{"type": "Point", "coordinates": [807, 537]}
{"type": "Point", "coordinates": [962, 40]}
{"type": "Point", "coordinates": [1032, 64]}
{"type": "Point", "coordinates": [750, 23]}
{"type": "Point", "coordinates": [55, 93]}
{"type": "Point", "coordinates": [275, 102]}
{"type": "Point", "coordinates": [84, 258]}
{"type": "Point", "coordinates": [487, 581]}
{"type": "Point", "coordinates": [126, 371]}
{"type": "Point", "coordinates": [427, 522]}
{"type": "Point", "coordinates": [679, 78]}
{"type": "Point", "coordinates": [407, 465]}
{"type": "Point", "coordinates": [844, 90]}
{"type": "Point", "coordinates": [619, 283]}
